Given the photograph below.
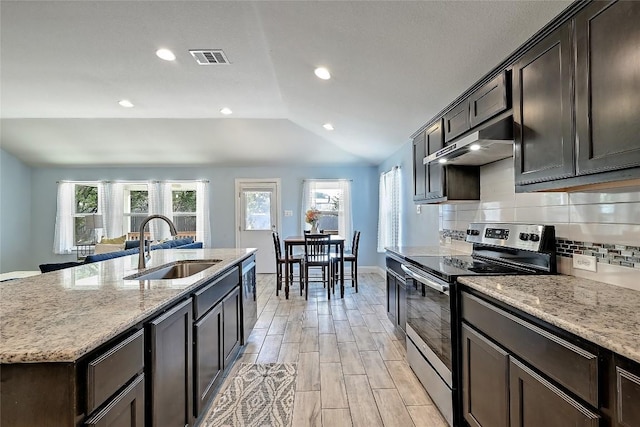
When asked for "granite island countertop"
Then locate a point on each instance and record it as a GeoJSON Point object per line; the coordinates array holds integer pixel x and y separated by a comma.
{"type": "Point", "coordinates": [604, 314]}
{"type": "Point", "coordinates": [62, 315]}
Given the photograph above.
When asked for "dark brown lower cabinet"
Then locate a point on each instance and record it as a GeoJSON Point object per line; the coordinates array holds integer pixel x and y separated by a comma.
{"type": "Point", "coordinates": [169, 367]}
{"type": "Point", "coordinates": [392, 298]}
{"type": "Point", "coordinates": [485, 388]}
{"type": "Point", "coordinates": [208, 364]}
{"type": "Point", "coordinates": [627, 392]}
{"type": "Point", "coordinates": [124, 410]}
{"type": "Point", "coordinates": [231, 325]}
{"type": "Point", "coordinates": [536, 402]}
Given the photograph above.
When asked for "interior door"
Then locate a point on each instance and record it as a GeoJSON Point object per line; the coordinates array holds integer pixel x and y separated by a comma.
{"type": "Point", "coordinates": [257, 217]}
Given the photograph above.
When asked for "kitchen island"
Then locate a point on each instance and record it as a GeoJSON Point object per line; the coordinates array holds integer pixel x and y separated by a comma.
{"type": "Point", "coordinates": [74, 340]}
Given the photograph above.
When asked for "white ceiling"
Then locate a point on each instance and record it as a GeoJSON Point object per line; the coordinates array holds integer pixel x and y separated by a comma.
{"type": "Point", "coordinates": [395, 64]}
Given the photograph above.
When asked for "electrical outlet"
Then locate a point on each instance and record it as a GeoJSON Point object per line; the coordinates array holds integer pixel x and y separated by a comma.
{"type": "Point", "coordinates": [288, 213]}
{"type": "Point", "coordinates": [418, 209]}
{"type": "Point", "coordinates": [584, 262]}
{"type": "Point", "coordinates": [447, 240]}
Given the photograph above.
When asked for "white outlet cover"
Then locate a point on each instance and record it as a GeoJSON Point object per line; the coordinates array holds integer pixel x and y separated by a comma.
{"type": "Point", "coordinates": [288, 213]}
{"type": "Point", "coordinates": [584, 262]}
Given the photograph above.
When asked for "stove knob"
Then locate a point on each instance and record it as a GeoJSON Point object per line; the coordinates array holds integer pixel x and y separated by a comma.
{"type": "Point", "coordinates": [524, 236]}
{"type": "Point", "coordinates": [534, 237]}
{"type": "Point", "coordinates": [475, 232]}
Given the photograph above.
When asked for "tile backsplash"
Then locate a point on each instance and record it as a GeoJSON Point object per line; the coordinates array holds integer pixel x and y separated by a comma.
{"type": "Point", "coordinates": [605, 224]}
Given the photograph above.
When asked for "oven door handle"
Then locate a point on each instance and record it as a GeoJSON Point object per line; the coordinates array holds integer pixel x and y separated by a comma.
{"type": "Point", "coordinates": [430, 283]}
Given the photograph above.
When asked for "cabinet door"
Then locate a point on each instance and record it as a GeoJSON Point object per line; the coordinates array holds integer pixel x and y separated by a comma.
{"type": "Point", "coordinates": [536, 402]}
{"type": "Point", "coordinates": [456, 121]}
{"type": "Point", "coordinates": [208, 365]}
{"type": "Point", "coordinates": [125, 410]}
{"type": "Point", "coordinates": [627, 394]}
{"type": "Point", "coordinates": [435, 176]}
{"type": "Point", "coordinates": [392, 298]}
{"type": "Point", "coordinates": [489, 100]}
{"type": "Point", "coordinates": [231, 325]}
{"type": "Point", "coordinates": [402, 303]}
{"type": "Point", "coordinates": [419, 169]}
{"type": "Point", "coordinates": [607, 86]}
{"type": "Point", "coordinates": [485, 381]}
{"type": "Point", "coordinates": [170, 367]}
{"type": "Point", "coordinates": [542, 110]}
{"type": "Point", "coordinates": [249, 303]}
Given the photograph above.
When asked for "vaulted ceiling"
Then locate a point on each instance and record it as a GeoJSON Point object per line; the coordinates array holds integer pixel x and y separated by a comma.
{"type": "Point", "coordinates": [66, 64]}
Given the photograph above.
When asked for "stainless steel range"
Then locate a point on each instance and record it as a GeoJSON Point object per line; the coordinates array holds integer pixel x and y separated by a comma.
{"type": "Point", "coordinates": [432, 303]}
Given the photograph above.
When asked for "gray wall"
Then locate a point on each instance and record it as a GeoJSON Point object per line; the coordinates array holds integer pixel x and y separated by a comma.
{"type": "Point", "coordinates": [15, 215]}
{"type": "Point", "coordinates": [416, 229]}
{"type": "Point", "coordinates": [222, 184]}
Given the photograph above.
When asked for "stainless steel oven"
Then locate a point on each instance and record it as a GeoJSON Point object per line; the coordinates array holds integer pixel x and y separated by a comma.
{"type": "Point", "coordinates": [432, 320]}
{"type": "Point", "coordinates": [429, 336]}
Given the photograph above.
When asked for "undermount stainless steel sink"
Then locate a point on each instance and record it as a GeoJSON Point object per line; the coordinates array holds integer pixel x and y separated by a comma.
{"type": "Point", "coordinates": [175, 270]}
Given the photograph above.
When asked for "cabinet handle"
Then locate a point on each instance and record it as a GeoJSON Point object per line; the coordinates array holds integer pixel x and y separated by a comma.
{"type": "Point", "coordinates": [430, 283]}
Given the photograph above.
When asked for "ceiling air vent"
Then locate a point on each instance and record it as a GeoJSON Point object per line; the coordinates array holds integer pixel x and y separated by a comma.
{"type": "Point", "coordinates": [209, 56]}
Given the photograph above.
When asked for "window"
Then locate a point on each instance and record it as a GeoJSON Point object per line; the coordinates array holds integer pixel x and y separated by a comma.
{"type": "Point", "coordinates": [333, 199]}
{"type": "Point", "coordinates": [389, 209]}
{"type": "Point", "coordinates": [117, 208]}
{"type": "Point", "coordinates": [86, 204]}
{"type": "Point", "coordinates": [184, 197]}
{"type": "Point", "coordinates": [136, 207]}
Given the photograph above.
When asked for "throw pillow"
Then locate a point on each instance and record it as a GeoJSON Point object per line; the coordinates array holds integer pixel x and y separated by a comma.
{"type": "Point", "coordinates": [115, 240]}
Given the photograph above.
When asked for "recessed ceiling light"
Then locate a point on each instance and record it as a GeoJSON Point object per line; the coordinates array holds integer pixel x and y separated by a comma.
{"type": "Point", "coordinates": [474, 147]}
{"type": "Point", "coordinates": [442, 160]}
{"type": "Point", "coordinates": [125, 103]}
{"type": "Point", "coordinates": [226, 111]}
{"type": "Point", "coordinates": [328, 126]}
{"type": "Point", "coordinates": [165, 54]}
{"type": "Point", "coordinates": [322, 73]}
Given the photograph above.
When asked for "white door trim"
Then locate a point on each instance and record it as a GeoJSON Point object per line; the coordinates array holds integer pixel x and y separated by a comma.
{"type": "Point", "coordinates": [239, 182]}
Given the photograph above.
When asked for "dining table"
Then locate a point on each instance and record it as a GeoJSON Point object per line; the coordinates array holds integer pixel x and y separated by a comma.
{"type": "Point", "coordinates": [292, 241]}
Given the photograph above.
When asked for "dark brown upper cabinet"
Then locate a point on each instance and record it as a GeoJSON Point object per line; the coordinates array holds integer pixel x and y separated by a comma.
{"type": "Point", "coordinates": [491, 99]}
{"type": "Point", "coordinates": [542, 110]}
{"type": "Point", "coordinates": [456, 121]}
{"type": "Point", "coordinates": [435, 177]}
{"type": "Point", "coordinates": [419, 169]}
{"type": "Point", "coordinates": [607, 86]}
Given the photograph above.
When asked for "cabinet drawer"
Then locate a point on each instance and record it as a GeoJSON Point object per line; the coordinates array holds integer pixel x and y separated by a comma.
{"type": "Point", "coordinates": [205, 298]}
{"type": "Point", "coordinates": [627, 394]}
{"type": "Point", "coordinates": [569, 365]}
{"type": "Point", "coordinates": [126, 409]}
{"type": "Point", "coordinates": [113, 369]}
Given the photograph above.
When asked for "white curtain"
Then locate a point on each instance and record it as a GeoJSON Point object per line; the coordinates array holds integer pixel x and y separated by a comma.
{"type": "Point", "coordinates": [113, 209]}
{"type": "Point", "coordinates": [345, 217]}
{"type": "Point", "coordinates": [203, 223]}
{"type": "Point", "coordinates": [389, 209]}
{"type": "Point", "coordinates": [308, 189]}
{"type": "Point", "coordinates": [160, 202]}
{"type": "Point", "coordinates": [63, 233]}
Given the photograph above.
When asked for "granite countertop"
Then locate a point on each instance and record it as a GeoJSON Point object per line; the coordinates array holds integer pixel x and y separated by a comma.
{"type": "Point", "coordinates": [62, 315]}
{"type": "Point", "coordinates": [604, 314]}
{"type": "Point", "coordinates": [409, 251]}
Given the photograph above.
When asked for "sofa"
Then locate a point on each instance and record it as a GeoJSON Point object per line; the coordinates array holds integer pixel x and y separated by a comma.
{"type": "Point", "coordinates": [131, 247]}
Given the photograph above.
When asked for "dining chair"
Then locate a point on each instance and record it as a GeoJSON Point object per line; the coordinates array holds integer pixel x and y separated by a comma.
{"type": "Point", "coordinates": [280, 262]}
{"type": "Point", "coordinates": [316, 254]}
{"type": "Point", "coordinates": [351, 257]}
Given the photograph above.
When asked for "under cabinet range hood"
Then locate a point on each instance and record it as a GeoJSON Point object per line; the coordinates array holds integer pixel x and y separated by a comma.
{"type": "Point", "coordinates": [489, 144]}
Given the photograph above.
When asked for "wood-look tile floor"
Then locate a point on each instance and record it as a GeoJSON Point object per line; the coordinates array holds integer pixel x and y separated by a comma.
{"type": "Point", "coordinates": [352, 367]}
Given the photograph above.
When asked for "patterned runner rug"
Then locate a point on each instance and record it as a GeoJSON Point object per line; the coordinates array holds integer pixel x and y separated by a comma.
{"type": "Point", "coordinates": [260, 394]}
